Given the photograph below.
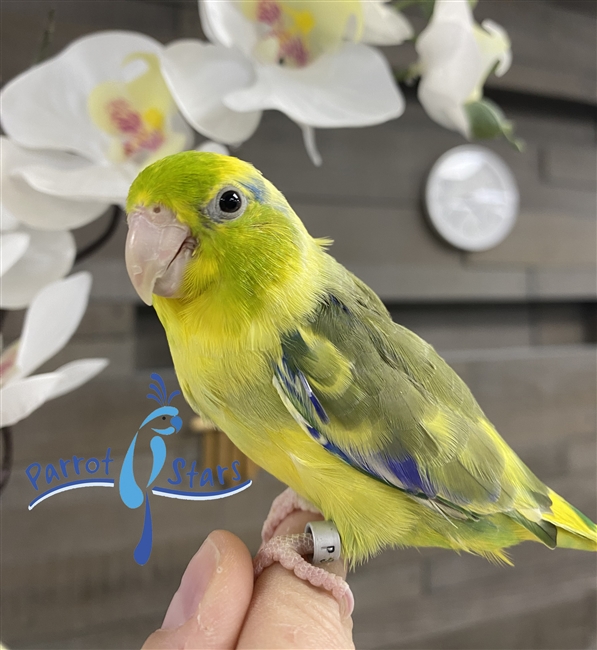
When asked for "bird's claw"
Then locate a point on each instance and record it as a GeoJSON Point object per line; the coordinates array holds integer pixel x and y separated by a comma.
{"type": "Point", "coordinates": [282, 506]}
{"type": "Point", "coordinates": [288, 551]}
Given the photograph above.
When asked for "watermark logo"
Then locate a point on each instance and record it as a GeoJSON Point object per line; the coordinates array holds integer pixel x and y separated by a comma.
{"type": "Point", "coordinates": [78, 472]}
{"type": "Point", "coordinates": [130, 492]}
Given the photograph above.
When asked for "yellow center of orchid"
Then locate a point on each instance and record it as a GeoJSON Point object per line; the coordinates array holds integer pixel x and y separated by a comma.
{"type": "Point", "coordinates": [136, 115]}
{"type": "Point", "coordinates": [294, 33]}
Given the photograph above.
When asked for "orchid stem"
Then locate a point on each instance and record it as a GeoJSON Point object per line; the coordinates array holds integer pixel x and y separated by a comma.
{"type": "Point", "coordinates": [7, 447]}
{"type": "Point", "coordinates": [7, 453]}
{"type": "Point", "coordinates": [47, 38]}
{"type": "Point", "coordinates": [102, 239]}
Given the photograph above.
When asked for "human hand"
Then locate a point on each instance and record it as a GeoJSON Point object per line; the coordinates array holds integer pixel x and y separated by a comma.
{"type": "Point", "coordinates": [218, 605]}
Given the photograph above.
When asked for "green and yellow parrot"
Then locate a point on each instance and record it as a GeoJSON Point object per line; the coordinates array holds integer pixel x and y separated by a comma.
{"type": "Point", "coordinates": [299, 362]}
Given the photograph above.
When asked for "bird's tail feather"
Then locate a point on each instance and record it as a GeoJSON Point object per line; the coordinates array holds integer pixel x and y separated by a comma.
{"type": "Point", "coordinates": [574, 529]}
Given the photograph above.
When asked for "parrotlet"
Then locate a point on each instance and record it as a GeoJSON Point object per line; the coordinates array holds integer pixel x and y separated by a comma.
{"type": "Point", "coordinates": [300, 364]}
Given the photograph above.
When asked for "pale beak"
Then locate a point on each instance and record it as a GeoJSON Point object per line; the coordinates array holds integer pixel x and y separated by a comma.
{"type": "Point", "coordinates": [157, 250]}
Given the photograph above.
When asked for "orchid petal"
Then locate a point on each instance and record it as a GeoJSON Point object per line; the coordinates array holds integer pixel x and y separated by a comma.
{"type": "Point", "coordinates": [51, 320]}
{"type": "Point", "coordinates": [7, 221]}
{"type": "Point", "coordinates": [88, 183]}
{"type": "Point", "coordinates": [34, 208]}
{"type": "Point", "coordinates": [20, 398]}
{"type": "Point", "coordinates": [384, 25]}
{"type": "Point", "coordinates": [451, 64]}
{"type": "Point", "coordinates": [311, 144]}
{"type": "Point", "coordinates": [456, 11]}
{"type": "Point", "coordinates": [46, 106]}
{"type": "Point", "coordinates": [12, 247]}
{"type": "Point", "coordinates": [495, 47]}
{"type": "Point", "coordinates": [199, 75]}
{"type": "Point", "coordinates": [49, 257]}
{"type": "Point", "coordinates": [75, 374]}
{"type": "Point", "coordinates": [351, 87]}
{"type": "Point", "coordinates": [204, 17]}
{"type": "Point", "coordinates": [224, 24]}
{"type": "Point", "coordinates": [213, 147]}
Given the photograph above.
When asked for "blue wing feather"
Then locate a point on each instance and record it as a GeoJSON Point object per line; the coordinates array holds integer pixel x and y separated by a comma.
{"type": "Point", "coordinates": [307, 410]}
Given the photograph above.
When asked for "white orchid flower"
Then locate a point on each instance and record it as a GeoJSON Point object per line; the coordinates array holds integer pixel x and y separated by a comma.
{"type": "Point", "coordinates": [82, 125]}
{"type": "Point", "coordinates": [213, 147]}
{"type": "Point", "coordinates": [51, 320]}
{"type": "Point", "coordinates": [31, 207]}
{"type": "Point", "coordinates": [305, 58]}
{"type": "Point", "coordinates": [455, 58]}
{"type": "Point", "coordinates": [31, 260]}
{"type": "Point", "coordinates": [12, 248]}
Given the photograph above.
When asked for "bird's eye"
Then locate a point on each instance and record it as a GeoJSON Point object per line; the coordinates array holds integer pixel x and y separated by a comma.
{"type": "Point", "coordinates": [228, 204]}
{"type": "Point", "coordinates": [163, 417]}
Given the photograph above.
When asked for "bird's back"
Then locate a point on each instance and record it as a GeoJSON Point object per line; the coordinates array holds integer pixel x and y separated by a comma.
{"type": "Point", "coordinates": [393, 409]}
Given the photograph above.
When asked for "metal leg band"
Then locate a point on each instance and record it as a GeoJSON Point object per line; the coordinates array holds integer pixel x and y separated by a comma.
{"type": "Point", "coordinates": [326, 541]}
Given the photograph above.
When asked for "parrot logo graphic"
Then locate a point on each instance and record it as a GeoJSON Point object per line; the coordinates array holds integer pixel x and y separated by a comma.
{"type": "Point", "coordinates": [131, 494]}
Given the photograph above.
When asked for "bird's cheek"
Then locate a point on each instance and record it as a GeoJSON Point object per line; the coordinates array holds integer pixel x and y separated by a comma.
{"type": "Point", "coordinates": [157, 251]}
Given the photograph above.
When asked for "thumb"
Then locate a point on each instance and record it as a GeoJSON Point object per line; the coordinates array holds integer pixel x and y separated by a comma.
{"type": "Point", "coordinates": [208, 609]}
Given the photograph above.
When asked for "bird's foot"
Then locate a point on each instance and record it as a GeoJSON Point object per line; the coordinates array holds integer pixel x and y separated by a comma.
{"type": "Point", "coordinates": [288, 551]}
{"type": "Point", "coordinates": [282, 506]}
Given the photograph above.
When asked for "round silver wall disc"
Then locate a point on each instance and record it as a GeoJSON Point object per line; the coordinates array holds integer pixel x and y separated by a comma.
{"type": "Point", "coordinates": [472, 198]}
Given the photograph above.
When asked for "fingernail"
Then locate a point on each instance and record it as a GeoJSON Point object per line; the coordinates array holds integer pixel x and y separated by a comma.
{"type": "Point", "coordinates": [193, 586]}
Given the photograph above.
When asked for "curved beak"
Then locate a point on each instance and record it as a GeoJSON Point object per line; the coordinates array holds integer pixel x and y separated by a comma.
{"type": "Point", "coordinates": [157, 250]}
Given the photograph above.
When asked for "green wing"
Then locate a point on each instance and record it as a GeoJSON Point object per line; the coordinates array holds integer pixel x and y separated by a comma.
{"type": "Point", "coordinates": [379, 397]}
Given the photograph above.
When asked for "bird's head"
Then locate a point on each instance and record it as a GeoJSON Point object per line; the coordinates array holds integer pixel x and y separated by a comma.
{"type": "Point", "coordinates": [166, 420]}
{"type": "Point", "coordinates": [198, 220]}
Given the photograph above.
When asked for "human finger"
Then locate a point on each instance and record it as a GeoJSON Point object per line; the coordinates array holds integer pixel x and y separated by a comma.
{"type": "Point", "coordinates": [287, 612]}
{"type": "Point", "coordinates": [210, 605]}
